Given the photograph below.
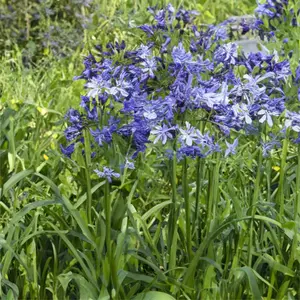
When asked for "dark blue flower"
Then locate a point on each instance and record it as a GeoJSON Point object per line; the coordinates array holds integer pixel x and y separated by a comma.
{"type": "Point", "coordinates": [160, 19]}
{"type": "Point", "coordinates": [191, 151]}
{"type": "Point", "coordinates": [164, 45]}
{"type": "Point", "coordinates": [68, 150]}
{"type": "Point", "coordinates": [297, 74]}
{"type": "Point", "coordinates": [147, 29]}
{"type": "Point", "coordinates": [103, 136]}
{"type": "Point", "coordinates": [73, 116]}
{"type": "Point", "coordinates": [73, 132]}
{"type": "Point", "coordinates": [282, 69]}
{"type": "Point", "coordinates": [92, 114]}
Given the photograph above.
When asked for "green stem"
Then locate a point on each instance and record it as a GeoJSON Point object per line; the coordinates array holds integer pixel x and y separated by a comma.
{"type": "Point", "coordinates": [297, 203]}
{"type": "Point", "coordinates": [272, 281]}
{"type": "Point", "coordinates": [87, 150]}
{"type": "Point", "coordinates": [280, 195]}
{"type": "Point", "coordinates": [107, 211]}
{"type": "Point", "coordinates": [293, 253]}
{"type": "Point", "coordinates": [253, 203]}
{"type": "Point", "coordinates": [213, 192]}
{"type": "Point", "coordinates": [172, 217]}
{"type": "Point", "coordinates": [196, 224]}
{"type": "Point", "coordinates": [187, 209]}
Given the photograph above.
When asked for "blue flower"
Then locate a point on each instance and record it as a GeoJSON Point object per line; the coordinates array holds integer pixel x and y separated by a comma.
{"type": "Point", "coordinates": [265, 10]}
{"type": "Point", "coordinates": [92, 114]}
{"type": "Point", "coordinates": [74, 116]}
{"type": "Point", "coordinates": [268, 146]}
{"type": "Point", "coordinates": [107, 173]}
{"type": "Point", "coordinates": [104, 135]}
{"type": "Point", "coordinates": [73, 132]}
{"type": "Point", "coordinates": [293, 121]}
{"type": "Point", "coordinates": [180, 56]}
{"type": "Point", "coordinates": [192, 151]}
{"type": "Point", "coordinates": [297, 75]}
{"type": "Point", "coordinates": [188, 135]}
{"type": "Point", "coordinates": [96, 86]}
{"type": "Point", "coordinates": [164, 45]}
{"type": "Point", "coordinates": [160, 19]}
{"type": "Point", "coordinates": [265, 115]}
{"type": "Point", "coordinates": [231, 148]}
{"type": "Point", "coordinates": [162, 133]}
{"type": "Point", "coordinates": [149, 66]}
{"type": "Point", "coordinates": [68, 150]}
{"type": "Point", "coordinates": [226, 54]}
{"type": "Point", "coordinates": [148, 29]}
{"type": "Point", "coordinates": [129, 164]}
{"type": "Point", "coordinates": [282, 69]}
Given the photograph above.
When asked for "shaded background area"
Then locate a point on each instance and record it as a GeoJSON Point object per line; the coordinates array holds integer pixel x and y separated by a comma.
{"type": "Point", "coordinates": [45, 28]}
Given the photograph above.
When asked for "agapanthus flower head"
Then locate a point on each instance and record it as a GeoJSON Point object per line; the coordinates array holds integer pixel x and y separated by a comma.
{"type": "Point", "coordinates": [107, 173]}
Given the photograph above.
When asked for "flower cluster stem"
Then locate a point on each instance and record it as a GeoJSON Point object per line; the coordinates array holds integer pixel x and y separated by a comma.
{"type": "Point", "coordinates": [253, 204]}
{"type": "Point", "coordinates": [280, 195]}
{"type": "Point", "coordinates": [172, 218]}
{"type": "Point", "coordinates": [293, 256]}
{"type": "Point", "coordinates": [87, 150]}
{"type": "Point", "coordinates": [196, 224]}
{"type": "Point", "coordinates": [187, 208]}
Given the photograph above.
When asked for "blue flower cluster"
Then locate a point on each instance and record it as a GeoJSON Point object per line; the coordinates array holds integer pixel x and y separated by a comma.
{"type": "Point", "coordinates": [186, 87]}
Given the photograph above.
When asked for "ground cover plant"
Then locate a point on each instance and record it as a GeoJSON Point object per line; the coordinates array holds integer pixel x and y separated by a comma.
{"type": "Point", "coordinates": [176, 173]}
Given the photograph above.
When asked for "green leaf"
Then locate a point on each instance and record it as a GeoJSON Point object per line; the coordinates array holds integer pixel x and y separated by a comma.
{"type": "Point", "coordinates": [12, 181]}
{"type": "Point", "coordinates": [278, 266]}
{"type": "Point", "coordinates": [153, 296]}
{"type": "Point", "coordinates": [252, 282]}
{"type": "Point", "coordinates": [87, 290]}
{"type": "Point", "coordinates": [155, 209]}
